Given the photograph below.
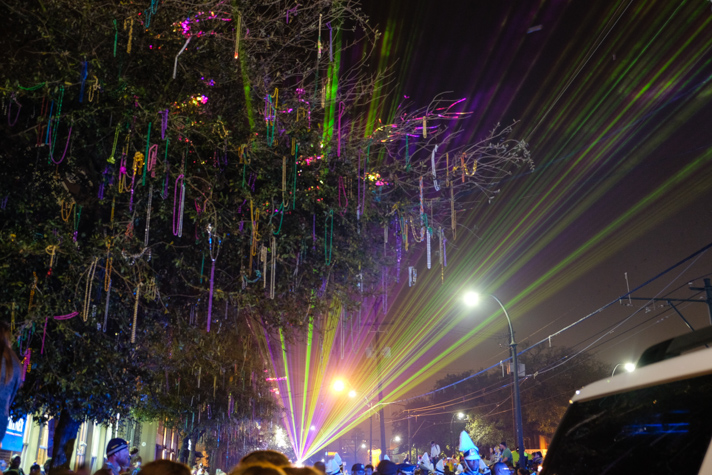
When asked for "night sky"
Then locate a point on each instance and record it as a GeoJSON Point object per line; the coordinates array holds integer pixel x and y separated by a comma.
{"type": "Point", "coordinates": [613, 98]}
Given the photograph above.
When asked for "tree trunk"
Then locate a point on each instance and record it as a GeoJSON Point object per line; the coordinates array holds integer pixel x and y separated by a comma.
{"type": "Point", "coordinates": [65, 435]}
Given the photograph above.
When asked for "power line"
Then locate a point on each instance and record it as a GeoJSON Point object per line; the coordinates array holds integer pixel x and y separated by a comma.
{"type": "Point", "coordinates": [572, 325]}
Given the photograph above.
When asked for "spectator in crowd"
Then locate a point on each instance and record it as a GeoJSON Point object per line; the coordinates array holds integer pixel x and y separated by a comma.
{"type": "Point", "coordinates": [386, 467]}
{"type": "Point", "coordinates": [434, 451]}
{"type": "Point", "coordinates": [35, 469]}
{"type": "Point", "coordinates": [257, 468]}
{"type": "Point", "coordinates": [500, 468]}
{"type": "Point", "coordinates": [506, 454]}
{"type": "Point", "coordinates": [15, 468]}
{"type": "Point", "coordinates": [369, 469]}
{"type": "Point", "coordinates": [165, 467]}
{"type": "Point", "coordinates": [117, 457]}
{"type": "Point", "coordinates": [10, 373]}
{"type": "Point", "coordinates": [271, 457]}
{"type": "Point", "coordinates": [320, 467]}
{"type": "Point", "coordinates": [358, 469]}
{"type": "Point", "coordinates": [300, 471]}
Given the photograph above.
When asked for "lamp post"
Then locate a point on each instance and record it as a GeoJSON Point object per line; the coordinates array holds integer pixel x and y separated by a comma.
{"type": "Point", "coordinates": [460, 416]}
{"type": "Point", "coordinates": [472, 299]}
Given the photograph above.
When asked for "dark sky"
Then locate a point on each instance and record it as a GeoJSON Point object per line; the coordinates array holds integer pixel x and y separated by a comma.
{"type": "Point", "coordinates": [614, 101]}
{"type": "Point", "coordinates": [613, 98]}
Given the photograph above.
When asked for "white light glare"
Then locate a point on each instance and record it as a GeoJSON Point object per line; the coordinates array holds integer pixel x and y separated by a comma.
{"type": "Point", "coordinates": [472, 299]}
{"type": "Point", "coordinates": [630, 367]}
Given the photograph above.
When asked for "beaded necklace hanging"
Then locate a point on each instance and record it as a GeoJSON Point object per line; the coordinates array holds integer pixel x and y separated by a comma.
{"type": "Point", "coordinates": [77, 217]}
{"type": "Point", "coordinates": [88, 287]}
{"type": "Point", "coordinates": [135, 313]}
{"type": "Point", "coordinates": [274, 267]}
{"type": "Point", "coordinates": [213, 258]}
{"type": "Point", "coordinates": [148, 221]}
{"type": "Point", "coordinates": [178, 223]}
{"type": "Point", "coordinates": [51, 251]}
{"type": "Point", "coordinates": [66, 210]}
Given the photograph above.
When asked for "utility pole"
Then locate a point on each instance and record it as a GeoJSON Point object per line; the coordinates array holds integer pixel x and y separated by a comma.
{"type": "Point", "coordinates": [410, 458]}
{"type": "Point", "coordinates": [370, 438]}
{"type": "Point", "coordinates": [381, 414]}
{"type": "Point", "coordinates": [708, 293]}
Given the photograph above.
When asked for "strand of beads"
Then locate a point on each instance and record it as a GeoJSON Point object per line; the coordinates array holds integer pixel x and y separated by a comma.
{"type": "Point", "coordinates": [178, 224]}
{"type": "Point", "coordinates": [274, 267]}
{"type": "Point", "coordinates": [88, 287]}
{"type": "Point", "coordinates": [148, 220]}
{"type": "Point", "coordinates": [135, 314]}
{"type": "Point", "coordinates": [213, 257]}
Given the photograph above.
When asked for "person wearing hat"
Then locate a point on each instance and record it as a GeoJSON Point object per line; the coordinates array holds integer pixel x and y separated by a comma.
{"type": "Point", "coordinates": [426, 465]}
{"type": "Point", "coordinates": [472, 462]}
{"type": "Point", "coordinates": [358, 469]}
{"type": "Point", "coordinates": [334, 465]}
{"type": "Point", "coordinates": [117, 457]}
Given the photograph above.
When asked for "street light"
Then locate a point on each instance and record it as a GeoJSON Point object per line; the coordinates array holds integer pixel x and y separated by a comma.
{"type": "Point", "coordinates": [397, 438]}
{"type": "Point", "coordinates": [630, 367]}
{"type": "Point", "coordinates": [460, 416]}
{"type": "Point", "coordinates": [472, 299]}
{"type": "Point", "coordinates": [339, 385]}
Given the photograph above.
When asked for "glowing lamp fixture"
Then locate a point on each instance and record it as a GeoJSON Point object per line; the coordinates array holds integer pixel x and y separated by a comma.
{"type": "Point", "coordinates": [352, 393]}
{"type": "Point", "coordinates": [472, 299]}
{"type": "Point", "coordinates": [397, 438]}
{"type": "Point", "coordinates": [630, 367]}
{"type": "Point", "coordinates": [339, 385]}
{"type": "Point", "coordinates": [460, 415]}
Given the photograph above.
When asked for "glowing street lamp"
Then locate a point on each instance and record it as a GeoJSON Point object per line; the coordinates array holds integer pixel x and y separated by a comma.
{"type": "Point", "coordinates": [472, 299]}
{"type": "Point", "coordinates": [339, 385]}
{"type": "Point", "coordinates": [352, 394]}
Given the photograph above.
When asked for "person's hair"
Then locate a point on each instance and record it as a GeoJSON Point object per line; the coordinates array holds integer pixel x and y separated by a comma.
{"type": "Point", "coordinates": [35, 466]}
{"type": "Point", "coordinates": [8, 355]}
{"type": "Point", "coordinates": [369, 466]}
{"type": "Point", "coordinates": [269, 456]}
{"type": "Point", "coordinates": [165, 467]}
{"type": "Point", "coordinates": [257, 468]}
{"type": "Point", "coordinates": [301, 470]}
{"type": "Point", "coordinates": [320, 466]}
{"type": "Point", "coordinates": [503, 443]}
{"type": "Point", "coordinates": [499, 469]}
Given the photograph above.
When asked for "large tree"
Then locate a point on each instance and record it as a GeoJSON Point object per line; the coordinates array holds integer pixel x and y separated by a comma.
{"type": "Point", "coordinates": [183, 180]}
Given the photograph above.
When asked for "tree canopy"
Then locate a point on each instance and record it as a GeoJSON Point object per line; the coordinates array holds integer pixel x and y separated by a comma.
{"type": "Point", "coordinates": [183, 179]}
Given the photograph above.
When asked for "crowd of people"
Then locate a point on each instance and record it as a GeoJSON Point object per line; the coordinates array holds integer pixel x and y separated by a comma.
{"type": "Point", "coordinates": [499, 461]}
